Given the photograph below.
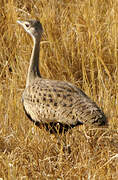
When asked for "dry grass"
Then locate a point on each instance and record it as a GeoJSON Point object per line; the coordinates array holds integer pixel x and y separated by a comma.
{"type": "Point", "coordinates": [80, 45]}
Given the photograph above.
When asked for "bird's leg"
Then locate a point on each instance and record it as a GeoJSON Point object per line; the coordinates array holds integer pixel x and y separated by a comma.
{"type": "Point", "coordinates": [62, 140]}
{"type": "Point", "coordinates": [66, 148]}
{"type": "Point", "coordinates": [62, 144]}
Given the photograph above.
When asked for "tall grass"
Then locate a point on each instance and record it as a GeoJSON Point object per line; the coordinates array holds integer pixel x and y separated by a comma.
{"type": "Point", "coordinates": [79, 45]}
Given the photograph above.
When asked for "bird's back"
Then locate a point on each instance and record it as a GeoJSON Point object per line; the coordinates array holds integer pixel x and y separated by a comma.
{"type": "Point", "coordinates": [47, 101]}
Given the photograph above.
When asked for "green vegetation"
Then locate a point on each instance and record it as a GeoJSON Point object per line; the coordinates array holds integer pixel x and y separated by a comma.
{"type": "Point", "coordinates": [80, 45]}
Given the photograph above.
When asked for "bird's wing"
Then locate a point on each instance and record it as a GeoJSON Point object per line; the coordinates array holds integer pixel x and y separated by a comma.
{"type": "Point", "coordinates": [58, 101]}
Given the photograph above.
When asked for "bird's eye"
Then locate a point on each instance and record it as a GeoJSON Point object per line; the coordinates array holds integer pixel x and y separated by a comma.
{"type": "Point", "coordinates": [27, 25]}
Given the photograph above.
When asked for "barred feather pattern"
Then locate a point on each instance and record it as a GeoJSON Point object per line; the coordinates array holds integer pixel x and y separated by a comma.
{"type": "Point", "coordinates": [49, 101]}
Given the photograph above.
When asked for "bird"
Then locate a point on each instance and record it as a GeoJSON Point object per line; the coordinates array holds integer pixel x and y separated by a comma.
{"type": "Point", "coordinates": [56, 105]}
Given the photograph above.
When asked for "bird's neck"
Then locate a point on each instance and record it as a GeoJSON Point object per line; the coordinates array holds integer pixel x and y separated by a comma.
{"type": "Point", "coordinates": [33, 71]}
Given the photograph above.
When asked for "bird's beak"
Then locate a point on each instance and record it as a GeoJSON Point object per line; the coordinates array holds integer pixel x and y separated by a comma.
{"type": "Point", "coordinates": [20, 22]}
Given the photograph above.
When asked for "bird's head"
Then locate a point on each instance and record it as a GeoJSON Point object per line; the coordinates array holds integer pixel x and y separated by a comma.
{"type": "Point", "coordinates": [32, 27]}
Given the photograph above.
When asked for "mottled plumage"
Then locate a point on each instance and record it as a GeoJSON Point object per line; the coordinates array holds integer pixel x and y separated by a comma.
{"type": "Point", "coordinates": [50, 102]}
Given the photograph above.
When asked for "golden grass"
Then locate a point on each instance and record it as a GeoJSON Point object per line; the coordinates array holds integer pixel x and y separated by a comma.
{"type": "Point", "coordinates": [79, 44]}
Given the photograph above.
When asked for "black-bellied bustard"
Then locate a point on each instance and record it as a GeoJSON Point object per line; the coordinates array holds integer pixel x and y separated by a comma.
{"type": "Point", "coordinates": [51, 102]}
